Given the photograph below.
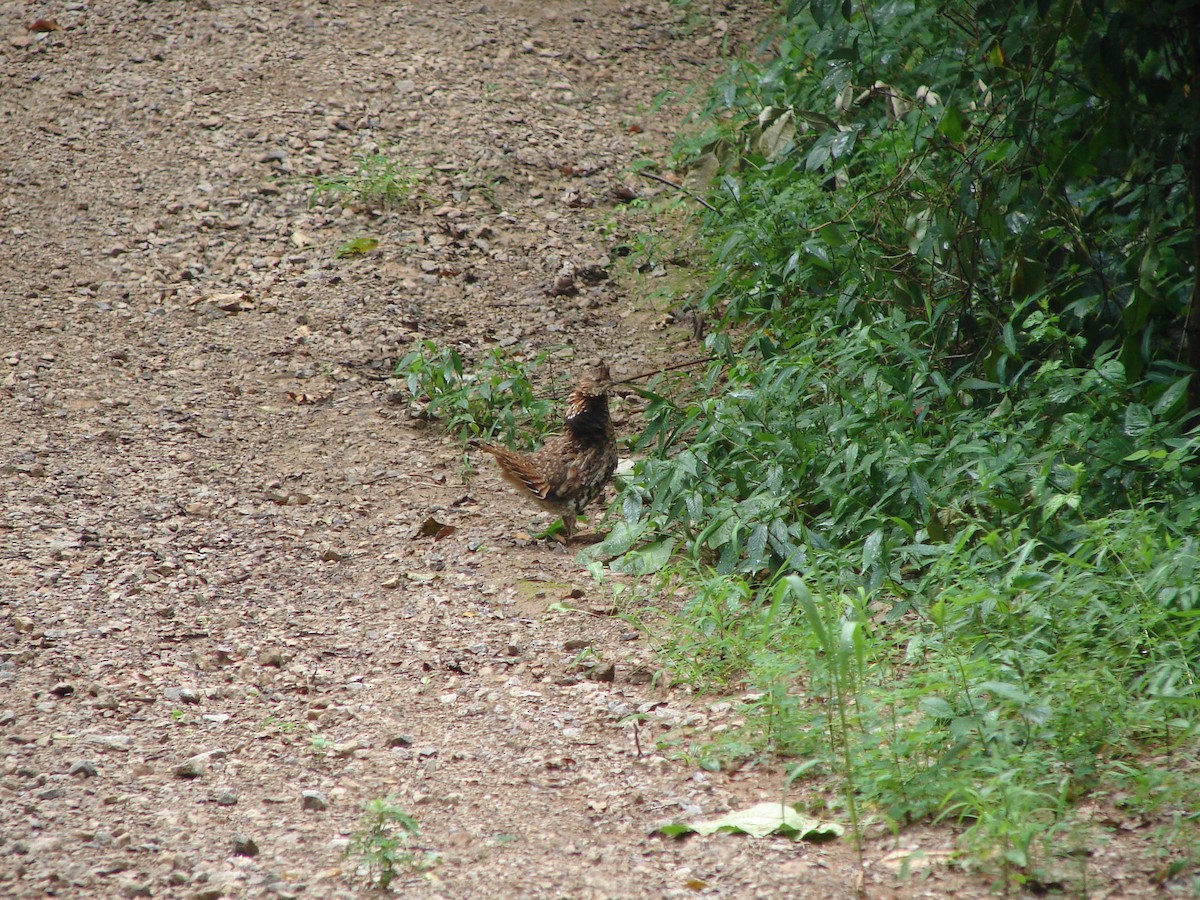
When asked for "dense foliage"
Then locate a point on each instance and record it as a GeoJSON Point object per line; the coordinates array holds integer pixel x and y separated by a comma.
{"type": "Point", "coordinates": [936, 496]}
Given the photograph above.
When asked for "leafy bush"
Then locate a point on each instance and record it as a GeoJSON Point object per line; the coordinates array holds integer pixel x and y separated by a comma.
{"type": "Point", "coordinates": [496, 400]}
{"type": "Point", "coordinates": [936, 495]}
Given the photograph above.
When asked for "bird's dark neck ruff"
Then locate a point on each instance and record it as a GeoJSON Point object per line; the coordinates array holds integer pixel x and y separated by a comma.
{"type": "Point", "coordinates": [587, 419]}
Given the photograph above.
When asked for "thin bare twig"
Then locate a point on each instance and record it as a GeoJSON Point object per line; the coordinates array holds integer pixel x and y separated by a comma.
{"type": "Point", "coordinates": [681, 189]}
{"type": "Point", "coordinates": [661, 369]}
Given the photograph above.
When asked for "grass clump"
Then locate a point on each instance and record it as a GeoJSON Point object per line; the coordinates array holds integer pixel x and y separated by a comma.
{"type": "Point", "coordinates": [381, 848]}
{"type": "Point", "coordinates": [495, 400]}
{"type": "Point", "coordinates": [376, 180]}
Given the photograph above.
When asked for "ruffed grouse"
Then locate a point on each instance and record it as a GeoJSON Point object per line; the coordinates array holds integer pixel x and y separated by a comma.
{"type": "Point", "coordinates": [571, 469]}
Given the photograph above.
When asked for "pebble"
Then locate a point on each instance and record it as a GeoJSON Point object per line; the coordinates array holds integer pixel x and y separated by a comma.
{"type": "Point", "coordinates": [196, 766]}
{"type": "Point", "coordinates": [131, 888]}
{"type": "Point", "coordinates": [182, 695]}
{"type": "Point", "coordinates": [313, 800]}
{"type": "Point", "coordinates": [272, 656]}
{"type": "Point", "coordinates": [244, 846]}
{"type": "Point", "coordinates": [82, 767]}
{"type": "Point", "coordinates": [121, 742]}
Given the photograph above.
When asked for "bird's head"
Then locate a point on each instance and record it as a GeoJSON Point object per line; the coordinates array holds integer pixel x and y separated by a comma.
{"type": "Point", "coordinates": [592, 387]}
{"type": "Point", "coordinates": [596, 380]}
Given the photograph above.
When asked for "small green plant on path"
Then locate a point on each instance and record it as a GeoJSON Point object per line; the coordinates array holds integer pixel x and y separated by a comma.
{"type": "Point", "coordinates": [382, 850]}
{"type": "Point", "coordinates": [495, 400]}
{"type": "Point", "coordinates": [376, 180]}
{"type": "Point", "coordinates": [356, 247]}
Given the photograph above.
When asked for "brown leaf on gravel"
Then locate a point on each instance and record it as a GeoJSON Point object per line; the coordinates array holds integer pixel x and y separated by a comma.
{"type": "Point", "coordinates": [563, 286]}
{"type": "Point", "coordinates": [431, 527]}
{"type": "Point", "coordinates": [308, 399]}
{"type": "Point", "coordinates": [622, 193]}
{"type": "Point", "coordinates": [288, 498]}
{"type": "Point", "coordinates": [230, 303]}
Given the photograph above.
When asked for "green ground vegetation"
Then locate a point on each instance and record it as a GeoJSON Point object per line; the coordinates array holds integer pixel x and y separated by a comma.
{"type": "Point", "coordinates": [934, 500]}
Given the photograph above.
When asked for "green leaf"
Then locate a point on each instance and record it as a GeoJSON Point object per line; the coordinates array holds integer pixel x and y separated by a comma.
{"type": "Point", "coordinates": [756, 545]}
{"type": "Point", "coordinates": [953, 125]}
{"type": "Point", "coordinates": [647, 560]}
{"type": "Point", "coordinates": [631, 506]}
{"type": "Point", "coordinates": [937, 707]}
{"type": "Point", "coordinates": [1175, 392]}
{"type": "Point", "coordinates": [620, 539]}
{"type": "Point", "coordinates": [1005, 690]}
{"type": "Point", "coordinates": [976, 384]}
{"type": "Point", "coordinates": [871, 548]}
{"type": "Point", "coordinates": [357, 247]}
{"type": "Point", "coordinates": [760, 821]}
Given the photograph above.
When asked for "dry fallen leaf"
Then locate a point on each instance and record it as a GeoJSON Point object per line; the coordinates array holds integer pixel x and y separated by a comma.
{"type": "Point", "coordinates": [305, 398]}
{"type": "Point", "coordinates": [761, 820]}
{"type": "Point", "coordinates": [431, 527]}
{"type": "Point", "coordinates": [912, 860]}
{"type": "Point", "coordinates": [232, 303]}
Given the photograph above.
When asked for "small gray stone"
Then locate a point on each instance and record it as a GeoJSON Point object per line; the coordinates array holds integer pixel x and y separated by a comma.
{"type": "Point", "coordinates": [47, 844]}
{"type": "Point", "coordinates": [189, 695]}
{"type": "Point", "coordinates": [131, 888]}
{"type": "Point", "coordinates": [83, 767]}
{"type": "Point", "coordinates": [244, 846]}
{"type": "Point", "coordinates": [272, 656]}
{"type": "Point", "coordinates": [313, 800]}
{"type": "Point", "coordinates": [190, 768]}
{"type": "Point", "coordinates": [197, 765]}
{"type": "Point", "coordinates": [113, 741]}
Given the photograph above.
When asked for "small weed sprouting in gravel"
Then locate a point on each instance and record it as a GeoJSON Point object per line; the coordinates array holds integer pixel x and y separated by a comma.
{"type": "Point", "coordinates": [494, 401]}
{"type": "Point", "coordinates": [381, 848]}
{"type": "Point", "coordinates": [319, 744]}
{"type": "Point", "coordinates": [356, 247]}
{"type": "Point", "coordinates": [376, 181]}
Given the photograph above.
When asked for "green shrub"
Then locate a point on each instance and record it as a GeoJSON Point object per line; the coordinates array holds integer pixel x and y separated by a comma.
{"type": "Point", "coordinates": [936, 499]}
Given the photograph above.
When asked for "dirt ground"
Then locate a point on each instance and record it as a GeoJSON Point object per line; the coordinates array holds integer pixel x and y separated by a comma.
{"type": "Point", "coordinates": [221, 631]}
